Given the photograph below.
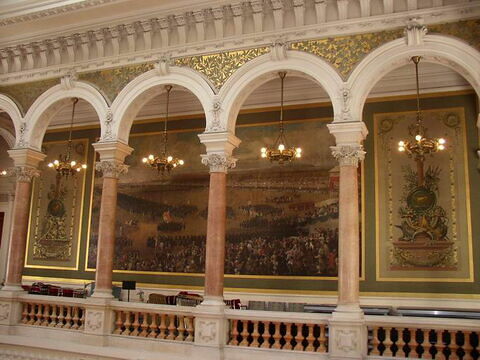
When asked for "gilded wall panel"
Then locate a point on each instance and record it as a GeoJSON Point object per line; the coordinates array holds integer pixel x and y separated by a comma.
{"type": "Point", "coordinates": [423, 207]}
{"type": "Point", "coordinates": [219, 67]}
{"type": "Point", "coordinates": [468, 31]}
{"type": "Point", "coordinates": [56, 212]}
{"type": "Point", "coordinates": [111, 81]}
{"type": "Point", "coordinates": [345, 52]}
{"type": "Point", "coordinates": [26, 94]}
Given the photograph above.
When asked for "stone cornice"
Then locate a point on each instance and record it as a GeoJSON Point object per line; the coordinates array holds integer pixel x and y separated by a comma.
{"type": "Point", "coordinates": [17, 67]}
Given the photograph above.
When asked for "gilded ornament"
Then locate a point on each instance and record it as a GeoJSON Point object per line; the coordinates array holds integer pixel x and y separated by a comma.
{"type": "Point", "coordinates": [112, 81]}
{"type": "Point", "coordinates": [468, 31]}
{"type": "Point", "coordinates": [219, 67]}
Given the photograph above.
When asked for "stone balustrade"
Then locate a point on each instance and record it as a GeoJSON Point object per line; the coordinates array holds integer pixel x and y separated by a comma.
{"type": "Point", "coordinates": [59, 313]}
{"type": "Point", "coordinates": [164, 322]}
{"type": "Point", "coordinates": [278, 330]}
{"type": "Point", "coordinates": [426, 338]}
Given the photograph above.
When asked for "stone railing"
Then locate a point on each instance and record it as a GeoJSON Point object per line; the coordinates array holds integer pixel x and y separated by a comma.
{"type": "Point", "coordinates": [163, 322]}
{"type": "Point", "coordinates": [56, 313]}
{"type": "Point", "coordinates": [278, 330]}
{"type": "Point", "coordinates": [426, 338]}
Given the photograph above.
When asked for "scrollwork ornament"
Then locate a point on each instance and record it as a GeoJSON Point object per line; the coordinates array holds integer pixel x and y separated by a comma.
{"type": "Point", "coordinates": [348, 155]}
{"type": "Point", "coordinates": [219, 162]}
{"type": "Point", "coordinates": [23, 173]}
{"type": "Point", "coordinates": [111, 169]}
{"type": "Point", "coordinates": [108, 125]}
{"type": "Point", "coordinates": [216, 124]}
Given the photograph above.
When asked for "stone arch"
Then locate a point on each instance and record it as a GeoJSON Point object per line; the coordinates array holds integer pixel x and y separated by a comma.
{"type": "Point", "coordinates": [144, 87]}
{"type": "Point", "coordinates": [9, 106]}
{"type": "Point", "coordinates": [53, 100]}
{"type": "Point", "coordinates": [439, 49]}
{"type": "Point", "coordinates": [264, 68]}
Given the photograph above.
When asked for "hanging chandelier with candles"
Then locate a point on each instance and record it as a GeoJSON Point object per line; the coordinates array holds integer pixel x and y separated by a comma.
{"type": "Point", "coordinates": [65, 165]}
{"type": "Point", "coordinates": [280, 150]}
{"type": "Point", "coordinates": [421, 145]}
{"type": "Point", "coordinates": [164, 162]}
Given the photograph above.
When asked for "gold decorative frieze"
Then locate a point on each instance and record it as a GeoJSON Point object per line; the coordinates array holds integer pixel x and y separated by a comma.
{"type": "Point", "coordinates": [219, 67]}
{"type": "Point", "coordinates": [345, 52]}
{"type": "Point", "coordinates": [468, 31]}
{"type": "Point", "coordinates": [112, 81]}
{"type": "Point", "coordinates": [26, 94]}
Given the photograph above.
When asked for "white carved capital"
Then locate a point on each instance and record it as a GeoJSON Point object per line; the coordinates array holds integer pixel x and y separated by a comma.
{"type": "Point", "coordinates": [278, 50]}
{"type": "Point", "coordinates": [23, 173]}
{"type": "Point", "coordinates": [111, 168]}
{"type": "Point", "coordinates": [68, 81]}
{"type": "Point", "coordinates": [163, 65]}
{"type": "Point", "coordinates": [415, 31]}
{"type": "Point", "coordinates": [348, 155]}
{"type": "Point", "coordinates": [218, 162]}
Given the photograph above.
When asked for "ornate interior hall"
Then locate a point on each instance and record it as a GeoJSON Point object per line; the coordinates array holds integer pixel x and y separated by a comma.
{"type": "Point", "coordinates": [239, 179]}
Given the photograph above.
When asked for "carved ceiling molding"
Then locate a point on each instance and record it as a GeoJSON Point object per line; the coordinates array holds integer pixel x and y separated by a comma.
{"type": "Point", "coordinates": [220, 66]}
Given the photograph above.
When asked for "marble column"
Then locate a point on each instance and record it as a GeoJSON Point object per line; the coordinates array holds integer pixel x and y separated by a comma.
{"type": "Point", "coordinates": [348, 157]}
{"type": "Point", "coordinates": [21, 212]}
{"type": "Point", "coordinates": [110, 170]}
{"type": "Point", "coordinates": [216, 225]}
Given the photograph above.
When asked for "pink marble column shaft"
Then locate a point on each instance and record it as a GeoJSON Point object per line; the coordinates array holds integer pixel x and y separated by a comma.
{"type": "Point", "coordinates": [16, 253]}
{"type": "Point", "coordinates": [349, 241]}
{"type": "Point", "coordinates": [106, 236]}
{"type": "Point", "coordinates": [215, 252]}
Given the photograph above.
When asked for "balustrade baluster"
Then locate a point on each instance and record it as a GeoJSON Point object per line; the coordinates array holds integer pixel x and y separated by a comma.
{"type": "Point", "coordinates": [54, 316]}
{"type": "Point", "coordinates": [135, 325]}
{"type": "Point", "coordinates": [46, 315]}
{"type": "Point", "coordinates": [127, 324]}
{"type": "Point", "coordinates": [180, 328]}
{"type": "Point", "coordinates": [375, 342]}
{"type": "Point", "coordinates": [75, 318]}
{"type": "Point", "coordinates": [388, 342]}
{"type": "Point", "coordinates": [322, 339]}
{"type": "Point", "coordinates": [171, 327]}
{"type": "Point", "coordinates": [453, 346]}
{"type": "Point", "coordinates": [400, 343]}
{"type": "Point", "coordinates": [61, 317]}
{"type": "Point", "coordinates": [288, 337]}
{"type": "Point", "coordinates": [68, 318]}
{"type": "Point", "coordinates": [440, 346]}
{"type": "Point", "coordinates": [234, 333]}
{"type": "Point", "coordinates": [153, 326]}
{"type": "Point", "coordinates": [266, 335]}
{"type": "Point", "coordinates": [144, 326]}
{"type": "Point", "coordinates": [255, 335]}
{"type": "Point", "coordinates": [296, 344]}
{"type": "Point", "coordinates": [24, 313]}
{"type": "Point", "coordinates": [244, 334]}
{"type": "Point", "coordinates": [39, 315]}
{"type": "Point", "coordinates": [190, 329]}
{"type": "Point", "coordinates": [426, 345]}
{"type": "Point", "coordinates": [467, 346]}
{"type": "Point", "coordinates": [31, 315]}
{"type": "Point", "coordinates": [412, 344]}
{"type": "Point", "coordinates": [277, 336]}
{"type": "Point", "coordinates": [81, 321]}
{"type": "Point", "coordinates": [118, 322]}
{"type": "Point", "coordinates": [310, 338]}
{"type": "Point", "coordinates": [163, 326]}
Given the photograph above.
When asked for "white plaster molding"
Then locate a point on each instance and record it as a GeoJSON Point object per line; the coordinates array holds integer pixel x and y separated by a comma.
{"type": "Point", "coordinates": [262, 69]}
{"type": "Point", "coordinates": [439, 49]}
{"type": "Point", "coordinates": [348, 155]}
{"type": "Point", "coordinates": [11, 108]}
{"type": "Point", "coordinates": [144, 87]}
{"type": "Point", "coordinates": [415, 32]}
{"type": "Point", "coordinates": [54, 99]}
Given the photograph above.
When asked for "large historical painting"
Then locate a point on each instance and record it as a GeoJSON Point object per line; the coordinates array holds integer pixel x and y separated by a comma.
{"type": "Point", "coordinates": [423, 209]}
{"type": "Point", "coordinates": [55, 220]}
{"type": "Point", "coordinates": [281, 220]}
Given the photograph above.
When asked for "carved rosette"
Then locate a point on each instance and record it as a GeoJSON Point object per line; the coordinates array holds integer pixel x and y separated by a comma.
{"type": "Point", "coordinates": [111, 169]}
{"type": "Point", "coordinates": [219, 162]}
{"type": "Point", "coordinates": [348, 155]}
{"type": "Point", "coordinates": [24, 173]}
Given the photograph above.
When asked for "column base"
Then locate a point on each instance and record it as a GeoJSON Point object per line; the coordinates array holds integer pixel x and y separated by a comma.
{"type": "Point", "coordinates": [348, 334]}
{"type": "Point", "coordinates": [211, 329]}
{"type": "Point", "coordinates": [216, 301]}
{"type": "Point", "coordinates": [102, 294]}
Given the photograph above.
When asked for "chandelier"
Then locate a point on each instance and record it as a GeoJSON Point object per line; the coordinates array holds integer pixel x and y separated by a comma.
{"type": "Point", "coordinates": [66, 166]}
{"type": "Point", "coordinates": [421, 145]}
{"type": "Point", "coordinates": [280, 151]}
{"type": "Point", "coordinates": [164, 162]}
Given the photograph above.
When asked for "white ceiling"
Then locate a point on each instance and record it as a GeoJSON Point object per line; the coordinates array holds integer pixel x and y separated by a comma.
{"type": "Point", "coordinates": [434, 78]}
